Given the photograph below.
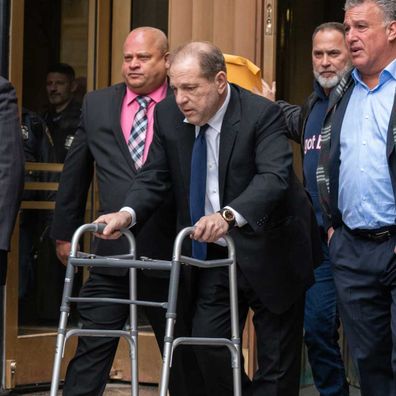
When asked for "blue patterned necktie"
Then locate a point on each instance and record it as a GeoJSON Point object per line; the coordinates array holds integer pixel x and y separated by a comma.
{"type": "Point", "coordinates": [137, 137]}
{"type": "Point", "coordinates": [198, 188]}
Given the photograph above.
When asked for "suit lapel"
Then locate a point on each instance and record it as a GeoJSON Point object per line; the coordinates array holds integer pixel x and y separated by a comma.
{"type": "Point", "coordinates": [185, 140]}
{"type": "Point", "coordinates": [119, 93]}
{"type": "Point", "coordinates": [228, 134]}
{"type": "Point", "coordinates": [390, 146]}
{"type": "Point", "coordinates": [391, 136]}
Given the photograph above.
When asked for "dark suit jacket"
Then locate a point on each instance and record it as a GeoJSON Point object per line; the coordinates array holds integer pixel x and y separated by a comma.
{"type": "Point", "coordinates": [275, 250]}
{"type": "Point", "coordinates": [99, 143]}
{"type": "Point", "coordinates": [11, 162]}
{"type": "Point", "coordinates": [334, 160]}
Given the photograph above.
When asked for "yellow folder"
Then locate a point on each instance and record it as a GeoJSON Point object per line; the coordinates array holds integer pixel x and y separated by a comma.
{"type": "Point", "coordinates": [243, 72]}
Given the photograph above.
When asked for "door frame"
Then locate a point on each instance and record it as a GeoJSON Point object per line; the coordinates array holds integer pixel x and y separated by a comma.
{"type": "Point", "coordinates": [108, 24]}
{"type": "Point", "coordinates": [19, 368]}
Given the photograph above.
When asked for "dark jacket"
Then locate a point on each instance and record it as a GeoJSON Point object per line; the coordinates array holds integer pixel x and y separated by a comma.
{"type": "Point", "coordinates": [62, 127]}
{"type": "Point", "coordinates": [99, 144]}
{"type": "Point", "coordinates": [278, 247]}
{"type": "Point", "coordinates": [38, 147]}
{"type": "Point", "coordinates": [11, 162]}
{"type": "Point", "coordinates": [296, 118]}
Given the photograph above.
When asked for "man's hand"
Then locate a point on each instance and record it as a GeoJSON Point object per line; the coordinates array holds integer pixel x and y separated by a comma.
{"type": "Point", "coordinates": [63, 251]}
{"type": "Point", "coordinates": [210, 228]}
{"type": "Point", "coordinates": [330, 233]}
{"type": "Point", "coordinates": [115, 221]}
{"type": "Point", "coordinates": [267, 91]}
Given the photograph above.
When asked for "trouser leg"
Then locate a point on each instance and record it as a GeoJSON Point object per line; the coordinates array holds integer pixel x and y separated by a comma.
{"type": "Point", "coordinates": [279, 339]}
{"type": "Point", "coordinates": [393, 324]}
{"type": "Point", "coordinates": [365, 303]}
{"type": "Point", "coordinates": [185, 375]}
{"type": "Point", "coordinates": [321, 325]}
{"type": "Point", "coordinates": [212, 319]}
{"type": "Point", "coordinates": [88, 371]}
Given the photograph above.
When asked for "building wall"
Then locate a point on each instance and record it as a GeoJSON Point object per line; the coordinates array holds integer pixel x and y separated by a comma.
{"type": "Point", "coordinates": [235, 26]}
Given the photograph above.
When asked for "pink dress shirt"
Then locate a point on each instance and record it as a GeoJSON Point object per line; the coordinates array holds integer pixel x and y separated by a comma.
{"type": "Point", "coordinates": [129, 109]}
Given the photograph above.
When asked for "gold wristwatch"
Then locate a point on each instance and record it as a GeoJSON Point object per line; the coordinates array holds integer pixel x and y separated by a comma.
{"type": "Point", "coordinates": [228, 216]}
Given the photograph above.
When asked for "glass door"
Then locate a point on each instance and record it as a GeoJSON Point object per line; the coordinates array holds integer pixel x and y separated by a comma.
{"type": "Point", "coordinates": [87, 35]}
{"type": "Point", "coordinates": [43, 33]}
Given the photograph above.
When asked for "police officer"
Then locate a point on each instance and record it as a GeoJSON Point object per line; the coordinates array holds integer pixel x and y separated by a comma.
{"type": "Point", "coordinates": [38, 147]}
{"type": "Point", "coordinates": [64, 111]}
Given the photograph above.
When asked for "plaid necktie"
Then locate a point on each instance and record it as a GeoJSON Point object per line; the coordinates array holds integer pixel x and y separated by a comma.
{"type": "Point", "coordinates": [198, 188]}
{"type": "Point", "coordinates": [137, 137]}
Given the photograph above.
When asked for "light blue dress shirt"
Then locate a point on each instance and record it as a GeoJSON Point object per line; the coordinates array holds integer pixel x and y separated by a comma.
{"type": "Point", "coordinates": [365, 197]}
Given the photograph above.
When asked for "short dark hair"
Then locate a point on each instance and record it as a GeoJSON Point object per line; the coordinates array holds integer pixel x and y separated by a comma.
{"type": "Point", "coordinates": [210, 58]}
{"type": "Point", "coordinates": [62, 68]}
{"type": "Point", "coordinates": [387, 6]}
{"type": "Point", "coordinates": [339, 27]}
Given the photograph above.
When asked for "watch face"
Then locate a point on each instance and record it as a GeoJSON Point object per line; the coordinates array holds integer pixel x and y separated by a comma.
{"type": "Point", "coordinates": [228, 215]}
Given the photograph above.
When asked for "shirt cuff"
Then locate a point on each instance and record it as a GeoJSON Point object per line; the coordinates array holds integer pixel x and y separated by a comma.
{"type": "Point", "coordinates": [240, 221]}
{"type": "Point", "coordinates": [132, 213]}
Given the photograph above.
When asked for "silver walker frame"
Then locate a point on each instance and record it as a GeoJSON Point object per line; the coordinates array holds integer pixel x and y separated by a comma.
{"type": "Point", "coordinates": [78, 259]}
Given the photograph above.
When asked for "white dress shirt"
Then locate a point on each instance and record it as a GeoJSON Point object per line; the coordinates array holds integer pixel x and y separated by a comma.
{"type": "Point", "coordinates": [212, 135]}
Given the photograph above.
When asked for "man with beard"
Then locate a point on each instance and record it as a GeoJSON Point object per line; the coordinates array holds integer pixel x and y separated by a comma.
{"type": "Point", "coordinates": [63, 115]}
{"type": "Point", "coordinates": [330, 61]}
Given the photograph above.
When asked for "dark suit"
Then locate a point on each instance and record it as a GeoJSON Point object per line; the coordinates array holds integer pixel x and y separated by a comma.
{"type": "Point", "coordinates": [99, 143]}
{"type": "Point", "coordinates": [11, 181]}
{"type": "Point", "coordinates": [364, 270]}
{"type": "Point", "coordinates": [11, 169]}
{"type": "Point", "coordinates": [275, 251]}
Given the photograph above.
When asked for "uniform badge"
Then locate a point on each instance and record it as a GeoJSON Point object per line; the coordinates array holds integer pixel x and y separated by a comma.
{"type": "Point", "coordinates": [68, 141]}
{"type": "Point", "coordinates": [25, 132]}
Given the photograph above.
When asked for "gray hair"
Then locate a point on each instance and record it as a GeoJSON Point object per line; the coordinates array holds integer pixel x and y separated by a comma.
{"type": "Point", "coordinates": [337, 26]}
{"type": "Point", "coordinates": [388, 7]}
{"type": "Point", "coordinates": [210, 58]}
